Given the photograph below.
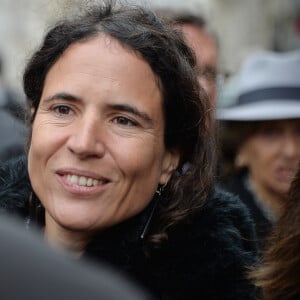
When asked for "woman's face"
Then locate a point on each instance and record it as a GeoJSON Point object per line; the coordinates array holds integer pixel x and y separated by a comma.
{"type": "Point", "coordinates": [97, 152]}
{"type": "Point", "coordinates": [272, 155]}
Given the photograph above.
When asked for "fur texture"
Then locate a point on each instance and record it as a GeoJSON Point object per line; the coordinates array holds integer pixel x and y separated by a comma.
{"type": "Point", "coordinates": [204, 258]}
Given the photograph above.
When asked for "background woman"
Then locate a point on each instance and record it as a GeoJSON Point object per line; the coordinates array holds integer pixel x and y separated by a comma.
{"type": "Point", "coordinates": [260, 135]}
{"type": "Point", "coordinates": [116, 113]}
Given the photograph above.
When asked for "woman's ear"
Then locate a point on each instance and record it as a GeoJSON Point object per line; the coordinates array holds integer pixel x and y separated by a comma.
{"type": "Point", "coordinates": [169, 165]}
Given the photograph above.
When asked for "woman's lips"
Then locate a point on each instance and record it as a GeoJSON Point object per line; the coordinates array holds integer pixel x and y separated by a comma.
{"type": "Point", "coordinates": [84, 180]}
{"type": "Point", "coordinates": [82, 183]}
{"type": "Point", "coordinates": [285, 174]}
{"type": "Point", "coordinates": [79, 173]}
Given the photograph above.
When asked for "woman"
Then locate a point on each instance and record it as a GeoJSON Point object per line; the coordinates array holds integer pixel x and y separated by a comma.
{"type": "Point", "coordinates": [260, 135]}
{"type": "Point", "coordinates": [116, 114]}
{"type": "Point", "coordinates": [278, 277]}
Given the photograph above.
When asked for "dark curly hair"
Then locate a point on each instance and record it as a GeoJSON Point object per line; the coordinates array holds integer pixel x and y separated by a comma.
{"type": "Point", "coordinates": [188, 119]}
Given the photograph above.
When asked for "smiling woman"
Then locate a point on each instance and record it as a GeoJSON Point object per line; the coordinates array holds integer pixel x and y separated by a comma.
{"type": "Point", "coordinates": [117, 115]}
{"type": "Point", "coordinates": [109, 126]}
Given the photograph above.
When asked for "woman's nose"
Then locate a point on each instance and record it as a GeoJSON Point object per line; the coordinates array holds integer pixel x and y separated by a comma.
{"type": "Point", "coordinates": [291, 146]}
{"type": "Point", "coordinates": [86, 139]}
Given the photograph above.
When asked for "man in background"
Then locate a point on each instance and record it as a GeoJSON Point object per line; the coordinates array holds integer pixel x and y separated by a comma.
{"type": "Point", "coordinates": [203, 42]}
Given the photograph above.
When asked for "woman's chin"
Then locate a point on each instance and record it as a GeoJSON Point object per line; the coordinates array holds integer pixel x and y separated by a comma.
{"type": "Point", "coordinates": [77, 223]}
{"type": "Point", "coordinates": [281, 188]}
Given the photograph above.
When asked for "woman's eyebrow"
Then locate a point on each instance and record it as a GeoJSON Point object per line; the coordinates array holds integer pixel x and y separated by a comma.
{"type": "Point", "coordinates": [62, 95]}
{"type": "Point", "coordinates": [120, 107]}
{"type": "Point", "coordinates": [133, 110]}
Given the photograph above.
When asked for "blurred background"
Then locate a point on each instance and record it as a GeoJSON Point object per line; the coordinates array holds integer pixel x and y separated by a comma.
{"type": "Point", "coordinates": [242, 27]}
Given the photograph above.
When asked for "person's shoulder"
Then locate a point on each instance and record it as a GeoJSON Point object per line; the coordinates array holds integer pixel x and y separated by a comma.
{"type": "Point", "coordinates": [222, 228]}
{"type": "Point", "coordinates": [215, 247]}
{"type": "Point", "coordinates": [227, 206]}
{"type": "Point", "coordinates": [14, 184]}
{"type": "Point", "coordinates": [228, 216]}
{"type": "Point", "coordinates": [223, 222]}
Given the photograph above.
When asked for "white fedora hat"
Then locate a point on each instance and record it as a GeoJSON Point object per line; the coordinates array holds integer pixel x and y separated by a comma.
{"type": "Point", "coordinates": [267, 88]}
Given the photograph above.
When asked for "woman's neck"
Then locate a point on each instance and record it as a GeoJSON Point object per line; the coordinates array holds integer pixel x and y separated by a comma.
{"type": "Point", "coordinates": [72, 242]}
{"type": "Point", "coordinates": [271, 199]}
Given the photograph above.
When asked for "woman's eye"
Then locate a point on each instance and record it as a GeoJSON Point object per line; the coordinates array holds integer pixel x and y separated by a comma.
{"type": "Point", "coordinates": [62, 109]}
{"type": "Point", "coordinates": [124, 121]}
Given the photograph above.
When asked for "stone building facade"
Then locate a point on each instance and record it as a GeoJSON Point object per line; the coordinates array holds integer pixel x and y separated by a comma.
{"type": "Point", "coordinates": [242, 27]}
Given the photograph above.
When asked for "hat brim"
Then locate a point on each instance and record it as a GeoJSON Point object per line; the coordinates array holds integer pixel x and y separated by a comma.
{"type": "Point", "coordinates": [260, 111]}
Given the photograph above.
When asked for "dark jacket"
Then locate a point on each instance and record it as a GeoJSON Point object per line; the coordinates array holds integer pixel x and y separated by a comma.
{"type": "Point", "coordinates": [237, 185]}
{"type": "Point", "coordinates": [13, 135]}
{"type": "Point", "coordinates": [205, 258]}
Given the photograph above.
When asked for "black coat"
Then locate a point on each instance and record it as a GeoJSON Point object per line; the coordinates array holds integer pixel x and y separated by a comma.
{"type": "Point", "coordinates": [236, 185]}
{"type": "Point", "coordinates": [205, 258]}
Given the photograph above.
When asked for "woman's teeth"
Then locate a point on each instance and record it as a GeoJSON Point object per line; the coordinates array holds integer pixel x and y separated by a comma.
{"type": "Point", "coordinates": [83, 181]}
